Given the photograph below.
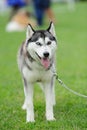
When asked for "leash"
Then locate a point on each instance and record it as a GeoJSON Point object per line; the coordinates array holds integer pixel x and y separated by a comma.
{"type": "Point", "coordinates": [66, 87]}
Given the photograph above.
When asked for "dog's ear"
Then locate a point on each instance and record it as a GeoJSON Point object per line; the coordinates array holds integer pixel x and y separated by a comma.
{"type": "Point", "coordinates": [29, 32]}
{"type": "Point", "coordinates": [51, 29]}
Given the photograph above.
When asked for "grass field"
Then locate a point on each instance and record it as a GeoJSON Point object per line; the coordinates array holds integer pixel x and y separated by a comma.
{"type": "Point", "coordinates": [70, 110]}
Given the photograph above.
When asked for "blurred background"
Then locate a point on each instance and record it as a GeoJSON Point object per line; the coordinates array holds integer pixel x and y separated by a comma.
{"type": "Point", "coordinates": [19, 13]}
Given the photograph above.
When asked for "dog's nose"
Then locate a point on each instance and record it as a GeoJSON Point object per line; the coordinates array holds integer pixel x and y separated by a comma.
{"type": "Point", "coordinates": [46, 54]}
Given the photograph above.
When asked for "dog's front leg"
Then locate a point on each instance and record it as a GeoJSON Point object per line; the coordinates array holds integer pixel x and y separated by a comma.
{"type": "Point", "coordinates": [49, 101]}
{"type": "Point", "coordinates": [28, 104]}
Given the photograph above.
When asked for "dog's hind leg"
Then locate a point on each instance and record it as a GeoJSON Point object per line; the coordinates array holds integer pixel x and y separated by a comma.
{"type": "Point", "coordinates": [24, 107]}
{"type": "Point", "coordinates": [49, 101]}
{"type": "Point", "coordinates": [28, 104]}
{"type": "Point", "coordinates": [53, 91]}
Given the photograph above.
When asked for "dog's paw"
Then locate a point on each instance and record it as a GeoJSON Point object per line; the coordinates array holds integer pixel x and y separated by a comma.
{"type": "Point", "coordinates": [30, 119]}
{"type": "Point", "coordinates": [30, 116]}
{"type": "Point", "coordinates": [50, 117]}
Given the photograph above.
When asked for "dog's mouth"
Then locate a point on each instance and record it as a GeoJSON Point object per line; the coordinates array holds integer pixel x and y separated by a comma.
{"type": "Point", "coordinates": [45, 62]}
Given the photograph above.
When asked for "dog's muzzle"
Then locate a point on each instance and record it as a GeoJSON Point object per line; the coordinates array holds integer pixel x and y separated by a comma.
{"type": "Point", "coordinates": [46, 54]}
{"type": "Point", "coordinates": [45, 61]}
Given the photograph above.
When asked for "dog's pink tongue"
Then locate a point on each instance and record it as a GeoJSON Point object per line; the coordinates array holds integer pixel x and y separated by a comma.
{"type": "Point", "coordinates": [45, 63]}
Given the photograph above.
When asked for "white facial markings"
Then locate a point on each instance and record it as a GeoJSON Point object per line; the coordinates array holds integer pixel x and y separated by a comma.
{"type": "Point", "coordinates": [47, 40]}
{"type": "Point", "coordinates": [51, 46]}
{"type": "Point", "coordinates": [41, 46]}
{"type": "Point", "coordinates": [41, 41]}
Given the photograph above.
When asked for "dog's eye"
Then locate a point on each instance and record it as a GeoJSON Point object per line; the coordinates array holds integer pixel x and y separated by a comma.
{"type": "Point", "coordinates": [49, 43]}
{"type": "Point", "coordinates": [38, 43]}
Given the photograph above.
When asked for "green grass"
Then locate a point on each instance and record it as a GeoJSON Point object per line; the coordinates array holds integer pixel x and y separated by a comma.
{"type": "Point", "coordinates": [70, 110]}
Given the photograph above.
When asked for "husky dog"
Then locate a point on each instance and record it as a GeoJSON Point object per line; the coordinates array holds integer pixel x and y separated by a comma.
{"type": "Point", "coordinates": [36, 62]}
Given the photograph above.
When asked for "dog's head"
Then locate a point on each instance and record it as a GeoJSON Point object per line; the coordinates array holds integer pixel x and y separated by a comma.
{"type": "Point", "coordinates": [41, 44]}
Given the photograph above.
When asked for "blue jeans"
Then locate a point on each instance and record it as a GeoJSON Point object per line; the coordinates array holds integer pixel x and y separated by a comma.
{"type": "Point", "coordinates": [40, 6]}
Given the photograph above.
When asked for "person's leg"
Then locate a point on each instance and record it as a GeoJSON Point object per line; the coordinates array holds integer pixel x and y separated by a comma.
{"type": "Point", "coordinates": [39, 16]}
{"type": "Point", "coordinates": [39, 12]}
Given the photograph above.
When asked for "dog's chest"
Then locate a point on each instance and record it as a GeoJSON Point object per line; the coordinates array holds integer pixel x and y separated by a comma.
{"type": "Point", "coordinates": [37, 75]}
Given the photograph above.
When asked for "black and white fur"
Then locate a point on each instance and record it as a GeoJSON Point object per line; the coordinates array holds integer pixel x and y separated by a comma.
{"type": "Point", "coordinates": [36, 61]}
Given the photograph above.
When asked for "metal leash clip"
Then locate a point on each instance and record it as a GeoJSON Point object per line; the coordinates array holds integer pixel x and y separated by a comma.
{"type": "Point", "coordinates": [65, 86]}
{"type": "Point", "coordinates": [57, 78]}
